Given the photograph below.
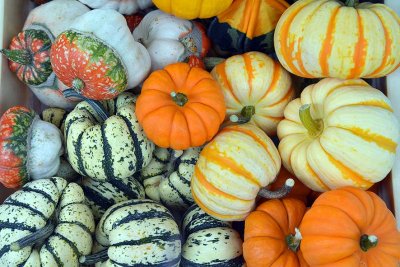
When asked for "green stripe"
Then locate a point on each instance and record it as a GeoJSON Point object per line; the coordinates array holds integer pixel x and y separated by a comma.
{"type": "Point", "coordinates": [170, 263]}
{"type": "Point", "coordinates": [81, 225]}
{"type": "Point", "coordinates": [78, 153]}
{"type": "Point", "coordinates": [13, 202]}
{"type": "Point", "coordinates": [142, 216]}
{"type": "Point", "coordinates": [165, 237]}
{"type": "Point", "coordinates": [182, 178]}
{"type": "Point", "coordinates": [50, 249]}
{"type": "Point", "coordinates": [108, 159]}
{"type": "Point", "coordinates": [69, 242]}
{"type": "Point", "coordinates": [182, 196]}
{"type": "Point", "coordinates": [126, 189]}
{"type": "Point", "coordinates": [41, 192]}
{"type": "Point", "coordinates": [235, 262]}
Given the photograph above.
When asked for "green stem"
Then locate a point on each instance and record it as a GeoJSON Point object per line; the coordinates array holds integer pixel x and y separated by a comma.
{"type": "Point", "coordinates": [280, 193]}
{"type": "Point", "coordinates": [22, 57]}
{"type": "Point", "coordinates": [245, 115]}
{"type": "Point", "coordinates": [34, 238]}
{"type": "Point", "coordinates": [179, 98]}
{"type": "Point", "coordinates": [100, 256]}
{"type": "Point", "coordinates": [314, 127]}
{"type": "Point", "coordinates": [351, 3]}
{"type": "Point", "coordinates": [96, 105]}
{"type": "Point", "coordinates": [368, 241]}
{"type": "Point", "coordinates": [293, 240]}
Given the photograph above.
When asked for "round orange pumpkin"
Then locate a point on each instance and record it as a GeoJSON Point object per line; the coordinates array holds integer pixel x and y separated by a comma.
{"type": "Point", "coordinates": [271, 237]}
{"type": "Point", "coordinates": [350, 227]}
{"type": "Point", "coordinates": [180, 107]}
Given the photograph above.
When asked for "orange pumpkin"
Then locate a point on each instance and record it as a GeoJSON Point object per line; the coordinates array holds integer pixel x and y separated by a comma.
{"type": "Point", "coordinates": [180, 107]}
{"type": "Point", "coordinates": [350, 227]}
{"type": "Point", "coordinates": [271, 237]}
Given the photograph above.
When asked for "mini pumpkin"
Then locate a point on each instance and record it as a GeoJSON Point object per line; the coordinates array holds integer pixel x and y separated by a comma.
{"type": "Point", "coordinates": [127, 7]}
{"type": "Point", "coordinates": [338, 133]}
{"type": "Point", "coordinates": [180, 107]}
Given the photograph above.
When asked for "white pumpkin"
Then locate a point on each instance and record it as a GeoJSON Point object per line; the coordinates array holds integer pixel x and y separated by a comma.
{"type": "Point", "coordinates": [126, 7]}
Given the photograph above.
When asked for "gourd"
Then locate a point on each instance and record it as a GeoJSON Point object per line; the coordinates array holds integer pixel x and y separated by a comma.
{"type": "Point", "coordinates": [137, 232]}
{"type": "Point", "coordinates": [339, 133]}
{"type": "Point", "coordinates": [122, 6]}
{"type": "Point", "coordinates": [29, 147]}
{"type": "Point", "coordinates": [102, 195]}
{"type": "Point", "coordinates": [169, 39]}
{"type": "Point", "coordinates": [55, 116]}
{"type": "Point", "coordinates": [256, 88]}
{"type": "Point", "coordinates": [247, 25]}
{"type": "Point", "coordinates": [51, 214]}
{"type": "Point", "coordinates": [106, 142]}
{"type": "Point", "coordinates": [180, 107]}
{"type": "Point", "coordinates": [98, 57]}
{"type": "Point", "coordinates": [193, 9]}
{"type": "Point", "coordinates": [341, 40]}
{"type": "Point", "coordinates": [29, 51]}
{"type": "Point", "coordinates": [354, 226]}
{"type": "Point", "coordinates": [271, 237]}
{"type": "Point", "coordinates": [233, 169]}
{"type": "Point", "coordinates": [209, 242]}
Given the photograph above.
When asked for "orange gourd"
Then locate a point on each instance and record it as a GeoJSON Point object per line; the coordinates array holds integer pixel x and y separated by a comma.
{"type": "Point", "coordinates": [180, 107]}
{"type": "Point", "coordinates": [350, 227]}
{"type": "Point", "coordinates": [271, 237]}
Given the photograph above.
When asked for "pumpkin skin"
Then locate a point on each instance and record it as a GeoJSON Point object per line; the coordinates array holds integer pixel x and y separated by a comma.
{"type": "Point", "coordinates": [247, 25]}
{"type": "Point", "coordinates": [98, 57]}
{"type": "Point", "coordinates": [231, 170]}
{"type": "Point", "coordinates": [343, 217]}
{"type": "Point", "coordinates": [253, 80]}
{"type": "Point", "coordinates": [126, 7]}
{"type": "Point", "coordinates": [338, 41]}
{"type": "Point", "coordinates": [357, 140]}
{"type": "Point", "coordinates": [169, 39]}
{"type": "Point", "coordinates": [194, 9]}
{"type": "Point", "coordinates": [114, 148]}
{"type": "Point", "coordinates": [267, 230]}
{"type": "Point", "coordinates": [180, 107]}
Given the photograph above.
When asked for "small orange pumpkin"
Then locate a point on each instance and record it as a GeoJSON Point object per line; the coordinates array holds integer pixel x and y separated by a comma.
{"type": "Point", "coordinates": [350, 227]}
{"type": "Point", "coordinates": [180, 107]}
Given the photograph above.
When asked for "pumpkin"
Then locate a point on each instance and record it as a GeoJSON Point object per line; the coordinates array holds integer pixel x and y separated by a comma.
{"type": "Point", "coordinates": [106, 146]}
{"type": "Point", "coordinates": [102, 195]}
{"type": "Point", "coordinates": [256, 88]}
{"type": "Point", "coordinates": [247, 25]}
{"type": "Point", "coordinates": [350, 227]}
{"type": "Point", "coordinates": [209, 242]}
{"type": "Point", "coordinates": [137, 232]}
{"type": "Point", "coordinates": [271, 237]}
{"type": "Point", "coordinates": [98, 57]}
{"type": "Point", "coordinates": [169, 39]}
{"type": "Point", "coordinates": [29, 51]}
{"type": "Point", "coordinates": [51, 214]}
{"type": "Point", "coordinates": [232, 169]}
{"type": "Point", "coordinates": [180, 107]}
{"type": "Point", "coordinates": [338, 133]}
{"type": "Point", "coordinates": [122, 6]}
{"type": "Point", "coordinates": [193, 9]}
{"type": "Point", "coordinates": [331, 39]}
{"type": "Point", "coordinates": [29, 147]}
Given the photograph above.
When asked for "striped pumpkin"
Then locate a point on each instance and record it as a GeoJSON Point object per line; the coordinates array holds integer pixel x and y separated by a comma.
{"type": "Point", "coordinates": [30, 210]}
{"type": "Point", "coordinates": [325, 38]}
{"type": "Point", "coordinates": [231, 169]}
{"type": "Point", "coordinates": [345, 135]}
{"type": "Point", "coordinates": [106, 149]}
{"type": "Point", "coordinates": [209, 242]}
{"type": "Point", "coordinates": [102, 195]}
{"type": "Point", "coordinates": [256, 88]}
{"type": "Point", "coordinates": [139, 232]}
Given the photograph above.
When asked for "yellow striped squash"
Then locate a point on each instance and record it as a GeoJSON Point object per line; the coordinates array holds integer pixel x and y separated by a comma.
{"type": "Point", "coordinates": [231, 169]}
{"type": "Point", "coordinates": [347, 136]}
{"type": "Point", "coordinates": [255, 87]}
{"type": "Point", "coordinates": [326, 38]}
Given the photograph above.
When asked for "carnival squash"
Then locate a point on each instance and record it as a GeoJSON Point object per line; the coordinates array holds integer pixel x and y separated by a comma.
{"type": "Point", "coordinates": [127, 7]}
{"type": "Point", "coordinates": [338, 133]}
{"type": "Point", "coordinates": [320, 38]}
{"type": "Point", "coordinates": [180, 107]}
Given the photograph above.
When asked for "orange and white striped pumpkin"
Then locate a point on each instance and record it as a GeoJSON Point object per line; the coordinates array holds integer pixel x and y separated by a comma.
{"type": "Point", "coordinates": [326, 38]}
{"type": "Point", "coordinates": [255, 88]}
{"type": "Point", "coordinates": [231, 169]}
{"type": "Point", "coordinates": [348, 136]}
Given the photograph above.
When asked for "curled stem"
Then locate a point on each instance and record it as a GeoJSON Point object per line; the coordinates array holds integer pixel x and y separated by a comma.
{"type": "Point", "coordinates": [96, 105]}
{"type": "Point", "coordinates": [100, 256]}
{"type": "Point", "coordinates": [280, 193]}
{"type": "Point", "coordinates": [36, 237]}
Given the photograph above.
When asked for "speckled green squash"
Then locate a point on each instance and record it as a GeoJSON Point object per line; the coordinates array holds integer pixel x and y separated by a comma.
{"type": "Point", "coordinates": [209, 242]}
{"type": "Point", "coordinates": [56, 116]}
{"type": "Point", "coordinates": [104, 150]}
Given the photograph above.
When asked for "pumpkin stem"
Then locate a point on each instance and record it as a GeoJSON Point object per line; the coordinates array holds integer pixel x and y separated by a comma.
{"type": "Point", "coordinates": [22, 57]}
{"type": "Point", "coordinates": [280, 193]}
{"type": "Point", "coordinates": [368, 241]}
{"type": "Point", "coordinates": [179, 98]}
{"type": "Point", "coordinates": [36, 237]}
{"type": "Point", "coordinates": [314, 127]}
{"type": "Point", "coordinates": [100, 256]}
{"type": "Point", "coordinates": [245, 115]}
{"type": "Point", "coordinates": [211, 62]}
{"type": "Point", "coordinates": [98, 108]}
{"type": "Point", "coordinates": [351, 3]}
{"type": "Point", "coordinates": [293, 240]}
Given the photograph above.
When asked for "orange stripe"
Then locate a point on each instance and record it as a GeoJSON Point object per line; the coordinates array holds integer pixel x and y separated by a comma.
{"type": "Point", "coordinates": [327, 45]}
{"type": "Point", "coordinates": [316, 178]}
{"type": "Point", "coordinates": [287, 96]}
{"type": "Point", "coordinates": [249, 70]}
{"type": "Point", "coordinates": [360, 51]}
{"type": "Point", "coordinates": [346, 84]}
{"type": "Point", "coordinates": [220, 68]}
{"type": "Point", "coordinates": [253, 20]}
{"type": "Point", "coordinates": [275, 78]}
{"type": "Point", "coordinates": [375, 103]}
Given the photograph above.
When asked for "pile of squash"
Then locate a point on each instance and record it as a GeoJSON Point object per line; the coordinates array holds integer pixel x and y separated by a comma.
{"type": "Point", "coordinates": [201, 133]}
